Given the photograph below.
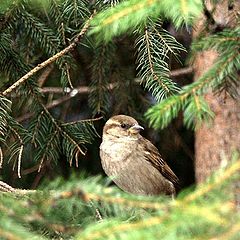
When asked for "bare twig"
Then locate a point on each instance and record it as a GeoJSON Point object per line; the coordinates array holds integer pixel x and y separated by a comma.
{"type": "Point", "coordinates": [50, 60]}
{"type": "Point", "coordinates": [85, 90]}
{"type": "Point", "coordinates": [20, 151]}
{"type": "Point", "coordinates": [73, 93]}
{"type": "Point", "coordinates": [30, 170]}
{"type": "Point", "coordinates": [60, 90]}
{"type": "Point", "coordinates": [181, 71]}
{"type": "Point", "coordinates": [1, 157]}
{"type": "Point", "coordinates": [4, 187]}
{"type": "Point", "coordinates": [38, 177]}
{"type": "Point", "coordinates": [48, 106]}
{"type": "Point", "coordinates": [98, 215]}
{"type": "Point", "coordinates": [43, 77]}
{"type": "Point", "coordinates": [79, 90]}
{"type": "Point", "coordinates": [82, 120]}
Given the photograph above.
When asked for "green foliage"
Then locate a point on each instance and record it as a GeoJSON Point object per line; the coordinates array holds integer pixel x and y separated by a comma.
{"type": "Point", "coordinates": [103, 59]}
{"type": "Point", "coordinates": [222, 76]}
{"type": "Point", "coordinates": [195, 108]}
{"type": "Point", "coordinates": [84, 208]}
{"type": "Point", "coordinates": [154, 47]}
{"type": "Point", "coordinates": [11, 63]}
{"type": "Point", "coordinates": [160, 115]}
{"type": "Point", "coordinates": [5, 110]}
{"type": "Point", "coordinates": [226, 43]}
{"type": "Point", "coordinates": [37, 31]}
{"type": "Point", "coordinates": [10, 128]}
{"type": "Point", "coordinates": [129, 14]}
{"type": "Point", "coordinates": [29, 35]}
{"type": "Point", "coordinates": [51, 138]}
{"type": "Point", "coordinates": [76, 136]}
{"type": "Point", "coordinates": [5, 5]}
{"type": "Point", "coordinates": [45, 138]}
{"type": "Point", "coordinates": [73, 10]}
{"type": "Point", "coordinates": [196, 112]}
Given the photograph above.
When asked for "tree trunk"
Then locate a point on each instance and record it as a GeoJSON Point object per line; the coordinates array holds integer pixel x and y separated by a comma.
{"type": "Point", "coordinates": [217, 141]}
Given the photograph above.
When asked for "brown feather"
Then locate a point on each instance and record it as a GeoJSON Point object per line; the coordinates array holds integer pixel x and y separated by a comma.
{"type": "Point", "coordinates": [134, 162]}
{"type": "Point", "coordinates": [153, 156]}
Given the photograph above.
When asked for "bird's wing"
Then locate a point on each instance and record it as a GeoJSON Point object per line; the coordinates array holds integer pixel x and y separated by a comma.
{"type": "Point", "coordinates": [152, 155]}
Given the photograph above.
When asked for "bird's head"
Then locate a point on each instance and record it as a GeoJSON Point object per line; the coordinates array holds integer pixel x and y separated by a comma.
{"type": "Point", "coordinates": [120, 126]}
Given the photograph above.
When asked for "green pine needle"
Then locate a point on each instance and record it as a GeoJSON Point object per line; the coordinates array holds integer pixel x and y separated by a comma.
{"type": "Point", "coordinates": [154, 46]}
{"type": "Point", "coordinates": [129, 14]}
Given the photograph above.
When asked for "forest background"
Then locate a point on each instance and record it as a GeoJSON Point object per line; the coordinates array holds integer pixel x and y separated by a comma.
{"type": "Point", "coordinates": [67, 66]}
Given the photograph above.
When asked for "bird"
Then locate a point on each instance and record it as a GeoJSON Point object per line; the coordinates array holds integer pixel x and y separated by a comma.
{"type": "Point", "coordinates": [132, 161]}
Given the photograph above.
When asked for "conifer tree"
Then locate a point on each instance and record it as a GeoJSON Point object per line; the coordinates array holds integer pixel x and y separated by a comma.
{"type": "Point", "coordinates": [53, 51]}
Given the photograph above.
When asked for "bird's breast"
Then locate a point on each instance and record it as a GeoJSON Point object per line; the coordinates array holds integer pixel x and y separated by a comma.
{"type": "Point", "coordinates": [115, 157]}
{"type": "Point", "coordinates": [111, 151]}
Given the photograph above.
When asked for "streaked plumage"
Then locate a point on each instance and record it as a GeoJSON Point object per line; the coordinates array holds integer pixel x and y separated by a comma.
{"type": "Point", "coordinates": [132, 161]}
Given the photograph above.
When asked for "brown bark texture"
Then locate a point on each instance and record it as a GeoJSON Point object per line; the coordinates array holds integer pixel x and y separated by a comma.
{"type": "Point", "coordinates": [215, 142]}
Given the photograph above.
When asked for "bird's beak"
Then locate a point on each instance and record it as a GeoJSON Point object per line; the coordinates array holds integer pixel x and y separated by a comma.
{"type": "Point", "coordinates": [135, 129]}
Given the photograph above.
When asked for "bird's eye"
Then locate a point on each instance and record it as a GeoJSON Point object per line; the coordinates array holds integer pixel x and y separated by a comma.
{"type": "Point", "coordinates": [123, 125]}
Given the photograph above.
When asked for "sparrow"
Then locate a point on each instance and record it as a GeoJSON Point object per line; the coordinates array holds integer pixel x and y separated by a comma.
{"type": "Point", "coordinates": [132, 161]}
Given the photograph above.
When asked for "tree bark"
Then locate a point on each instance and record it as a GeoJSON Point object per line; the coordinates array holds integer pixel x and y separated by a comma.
{"type": "Point", "coordinates": [216, 142]}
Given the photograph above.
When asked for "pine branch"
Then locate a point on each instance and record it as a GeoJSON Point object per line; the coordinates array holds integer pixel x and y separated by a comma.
{"type": "Point", "coordinates": [126, 217]}
{"type": "Point", "coordinates": [52, 147]}
{"type": "Point", "coordinates": [72, 93]}
{"type": "Point", "coordinates": [86, 90]}
{"type": "Point", "coordinates": [186, 206]}
{"type": "Point", "coordinates": [16, 150]}
{"type": "Point", "coordinates": [10, 128]}
{"type": "Point", "coordinates": [222, 41]}
{"type": "Point", "coordinates": [226, 43]}
{"type": "Point", "coordinates": [161, 114]}
{"type": "Point", "coordinates": [58, 14]}
{"type": "Point", "coordinates": [4, 187]}
{"type": "Point", "coordinates": [38, 33]}
{"type": "Point", "coordinates": [46, 132]}
{"type": "Point", "coordinates": [46, 137]}
{"type": "Point", "coordinates": [181, 72]}
{"type": "Point", "coordinates": [116, 228]}
{"type": "Point", "coordinates": [51, 105]}
{"type": "Point", "coordinates": [11, 63]}
{"type": "Point", "coordinates": [152, 60]}
{"type": "Point", "coordinates": [83, 121]}
{"type": "Point", "coordinates": [220, 179]}
{"type": "Point", "coordinates": [129, 14]}
{"type": "Point", "coordinates": [50, 60]}
{"type": "Point", "coordinates": [36, 30]}
{"type": "Point", "coordinates": [75, 10]}
{"type": "Point", "coordinates": [99, 98]}
{"type": "Point", "coordinates": [5, 110]}
{"type": "Point", "coordinates": [196, 112]}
